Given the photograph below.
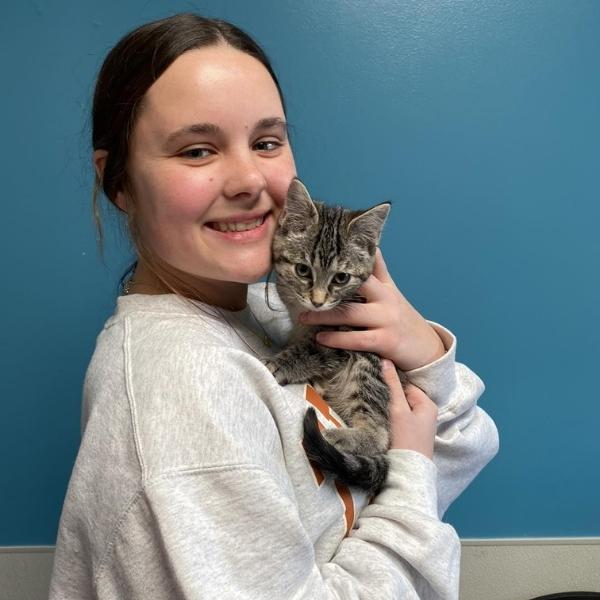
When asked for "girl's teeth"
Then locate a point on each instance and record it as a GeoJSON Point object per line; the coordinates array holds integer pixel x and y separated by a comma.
{"type": "Point", "coordinates": [239, 226]}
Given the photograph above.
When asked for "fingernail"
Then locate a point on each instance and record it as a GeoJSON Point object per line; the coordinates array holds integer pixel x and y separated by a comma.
{"type": "Point", "coordinates": [387, 364]}
{"type": "Point", "coordinates": [303, 316]}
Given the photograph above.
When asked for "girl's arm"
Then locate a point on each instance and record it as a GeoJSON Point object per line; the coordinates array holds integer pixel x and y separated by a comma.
{"type": "Point", "coordinates": [467, 438]}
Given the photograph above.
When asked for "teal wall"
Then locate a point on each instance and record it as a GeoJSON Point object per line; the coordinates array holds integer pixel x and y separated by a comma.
{"type": "Point", "coordinates": [479, 120]}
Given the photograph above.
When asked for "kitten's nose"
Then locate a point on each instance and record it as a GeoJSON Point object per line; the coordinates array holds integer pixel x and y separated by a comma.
{"type": "Point", "coordinates": [317, 297]}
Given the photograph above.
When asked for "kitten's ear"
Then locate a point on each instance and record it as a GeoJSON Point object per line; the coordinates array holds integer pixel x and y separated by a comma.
{"type": "Point", "coordinates": [300, 211]}
{"type": "Point", "coordinates": [369, 224]}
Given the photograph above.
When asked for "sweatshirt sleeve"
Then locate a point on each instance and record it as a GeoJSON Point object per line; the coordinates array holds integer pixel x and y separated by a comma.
{"type": "Point", "coordinates": [467, 438]}
{"type": "Point", "coordinates": [399, 548]}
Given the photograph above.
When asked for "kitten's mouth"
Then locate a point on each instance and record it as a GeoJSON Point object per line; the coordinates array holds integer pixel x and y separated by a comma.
{"type": "Point", "coordinates": [308, 305]}
{"type": "Point", "coordinates": [247, 225]}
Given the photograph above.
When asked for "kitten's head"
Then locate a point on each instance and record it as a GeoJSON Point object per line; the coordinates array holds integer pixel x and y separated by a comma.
{"type": "Point", "coordinates": [323, 254]}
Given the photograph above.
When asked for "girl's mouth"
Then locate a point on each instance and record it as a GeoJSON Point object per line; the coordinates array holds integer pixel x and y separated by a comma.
{"type": "Point", "coordinates": [248, 230]}
{"type": "Point", "coordinates": [237, 226]}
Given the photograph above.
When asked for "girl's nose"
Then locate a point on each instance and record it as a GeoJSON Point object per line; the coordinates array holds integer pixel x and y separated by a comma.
{"type": "Point", "coordinates": [244, 179]}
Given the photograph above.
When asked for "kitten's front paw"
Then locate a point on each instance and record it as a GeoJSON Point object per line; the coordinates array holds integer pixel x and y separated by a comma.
{"type": "Point", "coordinates": [278, 371]}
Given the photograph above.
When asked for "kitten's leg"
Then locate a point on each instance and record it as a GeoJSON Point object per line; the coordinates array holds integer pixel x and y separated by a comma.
{"type": "Point", "coordinates": [362, 403]}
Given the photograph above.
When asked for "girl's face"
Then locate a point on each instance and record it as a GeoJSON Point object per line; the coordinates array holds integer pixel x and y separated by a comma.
{"type": "Point", "coordinates": [210, 166]}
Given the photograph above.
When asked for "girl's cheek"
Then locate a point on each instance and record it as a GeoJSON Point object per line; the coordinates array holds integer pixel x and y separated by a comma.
{"type": "Point", "coordinates": [189, 197]}
{"type": "Point", "coordinates": [281, 185]}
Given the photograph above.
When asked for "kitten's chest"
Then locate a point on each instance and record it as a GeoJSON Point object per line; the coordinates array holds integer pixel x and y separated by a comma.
{"type": "Point", "coordinates": [335, 374]}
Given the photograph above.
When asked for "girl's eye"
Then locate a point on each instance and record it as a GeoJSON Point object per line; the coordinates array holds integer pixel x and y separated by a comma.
{"type": "Point", "coordinates": [196, 153]}
{"type": "Point", "coordinates": [303, 270]}
{"type": "Point", "coordinates": [341, 278]}
{"type": "Point", "coordinates": [267, 145]}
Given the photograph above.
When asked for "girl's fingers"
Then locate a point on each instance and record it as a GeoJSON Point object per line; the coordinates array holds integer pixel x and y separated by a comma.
{"type": "Point", "coordinates": [380, 269]}
{"type": "Point", "coordinates": [418, 400]}
{"type": "Point", "coordinates": [362, 341]}
{"type": "Point", "coordinates": [371, 289]}
{"type": "Point", "coordinates": [390, 376]}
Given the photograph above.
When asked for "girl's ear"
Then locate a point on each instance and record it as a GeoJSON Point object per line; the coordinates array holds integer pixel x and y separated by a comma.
{"type": "Point", "coordinates": [100, 162]}
{"type": "Point", "coordinates": [99, 165]}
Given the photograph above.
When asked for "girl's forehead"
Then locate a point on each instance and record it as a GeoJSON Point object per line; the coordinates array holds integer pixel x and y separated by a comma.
{"type": "Point", "coordinates": [218, 83]}
{"type": "Point", "coordinates": [208, 72]}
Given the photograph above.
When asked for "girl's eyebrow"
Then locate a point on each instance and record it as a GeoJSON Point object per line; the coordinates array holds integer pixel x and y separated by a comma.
{"type": "Point", "coordinates": [202, 128]}
{"type": "Point", "coordinates": [271, 123]}
{"type": "Point", "coordinates": [212, 129]}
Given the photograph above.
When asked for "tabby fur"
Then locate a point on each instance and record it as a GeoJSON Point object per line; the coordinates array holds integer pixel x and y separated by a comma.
{"type": "Point", "coordinates": [322, 254]}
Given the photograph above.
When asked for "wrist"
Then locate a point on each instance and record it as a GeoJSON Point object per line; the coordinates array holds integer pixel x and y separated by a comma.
{"type": "Point", "coordinates": [430, 349]}
{"type": "Point", "coordinates": [436, 347]}
{"type": "Point", "coordinates": [422, 447]}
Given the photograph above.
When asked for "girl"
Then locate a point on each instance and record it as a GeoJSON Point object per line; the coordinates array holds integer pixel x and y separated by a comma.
{"type": "Point", "coordinates": [191, 480]}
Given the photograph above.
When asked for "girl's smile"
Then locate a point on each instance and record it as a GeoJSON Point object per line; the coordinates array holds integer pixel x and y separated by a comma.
{"type": "Point", "coordinates": [240, 229]}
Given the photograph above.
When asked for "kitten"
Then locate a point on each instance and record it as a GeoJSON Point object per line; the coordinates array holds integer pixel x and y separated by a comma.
{"type": "Point", "coordinates": [322, 255]}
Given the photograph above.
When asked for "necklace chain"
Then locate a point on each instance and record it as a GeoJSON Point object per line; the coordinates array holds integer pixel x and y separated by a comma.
{"type": "Point", "coordinates": [264, 336]}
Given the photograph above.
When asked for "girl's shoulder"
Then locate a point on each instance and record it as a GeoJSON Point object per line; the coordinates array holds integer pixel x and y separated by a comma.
{"type": "Point", "coordinates": [160, 322]}
{"type": "Point", "coordinates": [184, 377]}
{"type": "Point", "coordinates": [171, 314]}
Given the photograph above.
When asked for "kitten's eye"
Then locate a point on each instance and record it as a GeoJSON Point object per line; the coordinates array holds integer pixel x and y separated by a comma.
{"type": "Point", "coordinates": [341, 278]}
{"type": "Point", "coordinates": [303, 270]}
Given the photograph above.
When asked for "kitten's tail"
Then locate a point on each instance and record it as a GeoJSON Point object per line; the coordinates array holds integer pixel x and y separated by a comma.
{"type": "Point", "coordinates": [366, 472]}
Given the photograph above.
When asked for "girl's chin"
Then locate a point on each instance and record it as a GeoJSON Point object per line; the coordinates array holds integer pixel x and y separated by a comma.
{"type": "Point", "coordinates": [254, 277]}
{"type": "Point", "coordinates": [248, 274]}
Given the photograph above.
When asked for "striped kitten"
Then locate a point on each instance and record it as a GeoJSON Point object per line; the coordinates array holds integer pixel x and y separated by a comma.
{"type": "Point", "coordinates": [322, 255]}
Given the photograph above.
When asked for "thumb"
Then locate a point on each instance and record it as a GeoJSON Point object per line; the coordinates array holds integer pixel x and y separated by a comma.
{"type": "Point", "coordinates": [418, 400]}
{"type": "Point", "coordinates": [390, 376]}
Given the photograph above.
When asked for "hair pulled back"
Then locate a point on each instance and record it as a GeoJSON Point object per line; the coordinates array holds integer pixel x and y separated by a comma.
{"type": "Point", "coordinates": [128, 71]}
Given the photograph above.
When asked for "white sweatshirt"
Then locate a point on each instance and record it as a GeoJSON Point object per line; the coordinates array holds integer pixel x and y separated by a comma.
{"type": "Point", "coordinates": [191, 481]}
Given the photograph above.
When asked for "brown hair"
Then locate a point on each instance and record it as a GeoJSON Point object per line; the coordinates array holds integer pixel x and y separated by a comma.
{"type": "Point", "coordinates": [127, 73]}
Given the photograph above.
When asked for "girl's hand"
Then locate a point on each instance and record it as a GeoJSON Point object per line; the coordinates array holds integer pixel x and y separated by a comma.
{"type": "Point", "coordinates": [388, 325]}
{"type": "Point", "coordinates": [413, 416]}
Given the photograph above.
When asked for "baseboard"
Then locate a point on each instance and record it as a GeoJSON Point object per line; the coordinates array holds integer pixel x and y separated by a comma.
{"type": "Point", "coordinates": [25, 572]}
{"type": "Point", "coordinates": [491, 569]}
{"type": "Point", "coordinates": [525, 568]}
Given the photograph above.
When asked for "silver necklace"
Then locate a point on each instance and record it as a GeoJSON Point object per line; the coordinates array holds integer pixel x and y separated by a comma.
{"type": "Point", "coordinates": [264, 336]}
{"type": "Point", "coordinates": [127, 286]}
